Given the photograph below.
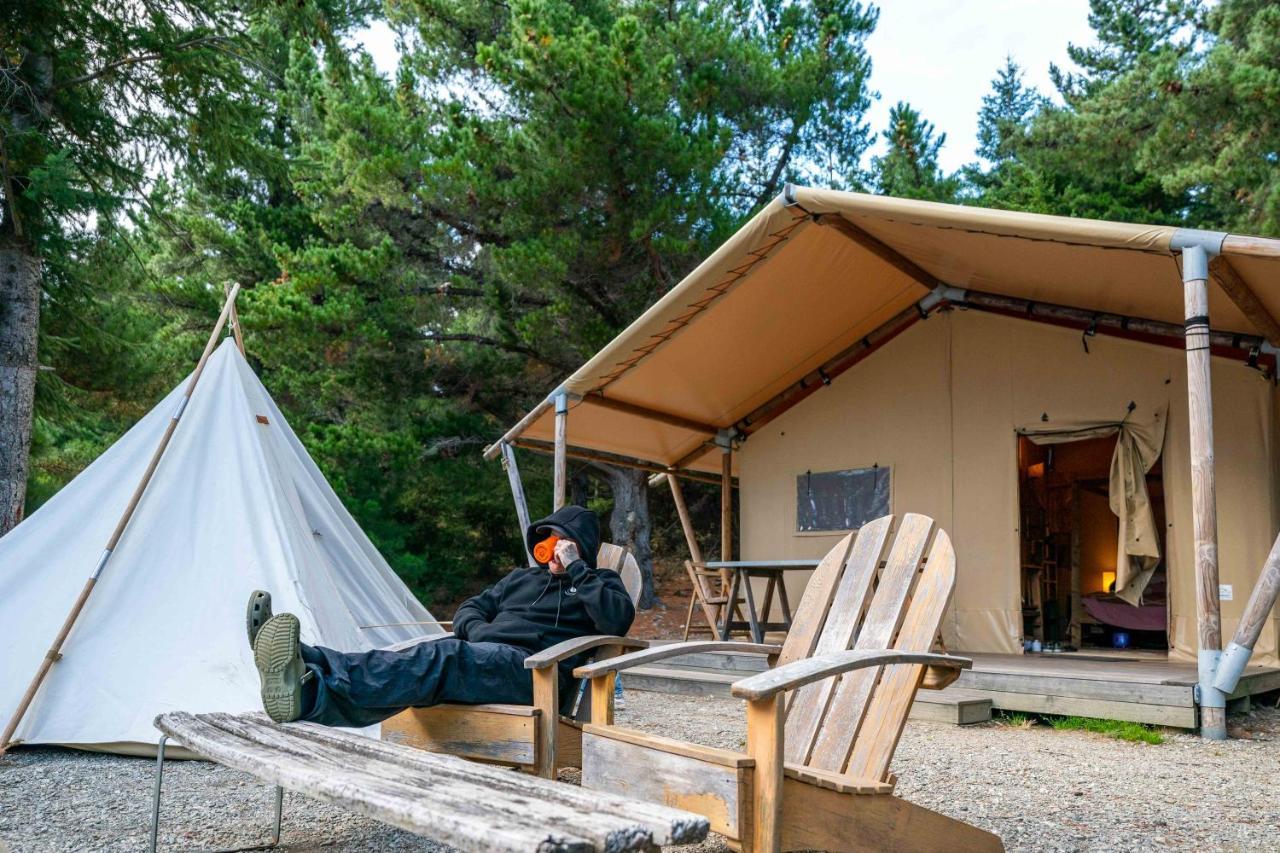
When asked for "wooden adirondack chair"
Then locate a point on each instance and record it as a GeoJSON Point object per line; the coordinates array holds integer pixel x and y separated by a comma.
{"type": "Point", "coordinates": [535, 738]}
{"type": "Point", "coordinates": [815, 774]}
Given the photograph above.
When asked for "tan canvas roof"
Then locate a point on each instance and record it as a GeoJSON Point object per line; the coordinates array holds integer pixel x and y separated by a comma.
{"type": "Point", "coordinates": [816, 272]}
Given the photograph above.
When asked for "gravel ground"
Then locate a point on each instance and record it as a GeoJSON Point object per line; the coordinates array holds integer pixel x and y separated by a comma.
{"type": "Point", "coordinates": [1039, 789]}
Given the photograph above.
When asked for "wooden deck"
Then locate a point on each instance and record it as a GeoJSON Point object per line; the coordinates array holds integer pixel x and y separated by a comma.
{"type": "Point", "coordinates": [1138, 687]}
{"type": "Point", "coordinates": [1142, 689]}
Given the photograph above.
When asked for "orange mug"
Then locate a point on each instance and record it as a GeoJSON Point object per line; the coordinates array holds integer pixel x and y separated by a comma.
{"type": "Point", "coordinates": [546, 549]}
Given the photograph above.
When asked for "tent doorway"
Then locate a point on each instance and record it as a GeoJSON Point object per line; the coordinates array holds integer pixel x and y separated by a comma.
{"type": "Point", "coordinates": [1069, 538]}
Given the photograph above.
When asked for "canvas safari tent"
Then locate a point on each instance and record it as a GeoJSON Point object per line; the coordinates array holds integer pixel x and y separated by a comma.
{"type": "Point", "coordinates": [236, 504]}
{"type": "Point", "coordinates": [941, 348]}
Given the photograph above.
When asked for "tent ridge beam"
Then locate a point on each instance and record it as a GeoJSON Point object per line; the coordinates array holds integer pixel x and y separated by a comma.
{"type": "Point", "coordinates": [598, 399]}
{"type": "Point", "coordinates": [880, 249]}
{"type": "Point", "coordinates": [1226, 277]}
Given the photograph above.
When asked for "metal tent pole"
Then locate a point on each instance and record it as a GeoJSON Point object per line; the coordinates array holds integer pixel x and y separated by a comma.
{"type": "Point", "coordinates": [55, 651]}
{"type": "Point", "coordinates": [561, 463]}
{"type": "Point", "coordinates": [517, 494]}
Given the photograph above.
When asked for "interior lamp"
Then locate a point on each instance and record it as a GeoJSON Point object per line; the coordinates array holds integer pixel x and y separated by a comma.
{"type": "Point", "coordinates": [1108, 578]}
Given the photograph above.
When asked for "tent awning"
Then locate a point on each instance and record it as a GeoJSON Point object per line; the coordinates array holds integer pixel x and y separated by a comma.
{"type": "Point", "coordinates": [819, 277]}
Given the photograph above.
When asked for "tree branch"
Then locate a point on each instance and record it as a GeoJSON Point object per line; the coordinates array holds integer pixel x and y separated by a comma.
{"type": "Point", "coordinates": [479, 293]}
{"type": "Point", "coordinates": [482, 340]}
{"type": "Point", "coordinates": [134, 60]}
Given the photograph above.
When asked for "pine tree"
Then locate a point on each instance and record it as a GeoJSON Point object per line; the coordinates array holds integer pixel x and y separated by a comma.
{"type": "Point", "coordinates": [909, 168]}
{"type": "Point", "coordinates": [95, 100]}
{"type": "Point", "coordinates": [1006, 112]}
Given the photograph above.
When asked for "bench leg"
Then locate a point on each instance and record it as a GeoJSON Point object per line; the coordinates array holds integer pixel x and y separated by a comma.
{"type": "Point", "coordinates": [275, 831]}
{"type": "Point", "coordinates": [155, 805]}
{"type": "Point", "coordinates": [155, 795]}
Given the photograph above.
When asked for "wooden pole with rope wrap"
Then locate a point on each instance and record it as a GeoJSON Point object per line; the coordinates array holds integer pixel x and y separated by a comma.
{"type": "Point", "coordinates": [55, 650]}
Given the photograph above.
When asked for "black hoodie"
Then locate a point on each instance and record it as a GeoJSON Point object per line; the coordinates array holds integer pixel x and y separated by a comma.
{"type": "Point", "coordinates": [534, 609]}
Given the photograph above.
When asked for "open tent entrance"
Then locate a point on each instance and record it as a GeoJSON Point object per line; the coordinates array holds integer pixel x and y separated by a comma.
{"type": "Point", "coordinates": [1076, 593]}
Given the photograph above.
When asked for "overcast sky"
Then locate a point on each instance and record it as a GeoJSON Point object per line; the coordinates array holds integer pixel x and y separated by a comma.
{"type": "Point", "coordinates": [939, 55]}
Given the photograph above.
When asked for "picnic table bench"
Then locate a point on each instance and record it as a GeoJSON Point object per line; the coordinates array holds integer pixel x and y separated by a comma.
{"type": "Point", "coordinates": [449, 799]}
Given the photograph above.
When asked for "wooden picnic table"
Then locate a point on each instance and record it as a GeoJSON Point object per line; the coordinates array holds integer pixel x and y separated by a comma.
{"type": "Point", "coordinates": [774, 573]}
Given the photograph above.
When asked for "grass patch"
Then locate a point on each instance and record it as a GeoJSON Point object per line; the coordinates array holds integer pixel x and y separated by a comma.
{"type": "Point", "coordinates": [1014, 719]}
{"type": "Point", "coordinates": [1119, 729]}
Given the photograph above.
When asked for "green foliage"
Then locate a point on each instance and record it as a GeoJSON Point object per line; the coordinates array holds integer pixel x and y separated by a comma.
{"type": "Point", "coordinates": [909, 169]}
{"type": "Point", "coordinates": [1014, 719]}
{"type": "Point", "coordinates": [1119, 729]}
{"type": "Point", "coordinates": [1171, 119]}
{"type": "Point", "coordinates": [422, 258]}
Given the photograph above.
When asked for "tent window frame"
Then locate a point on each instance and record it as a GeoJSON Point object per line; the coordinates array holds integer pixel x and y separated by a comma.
{"type": "Point", "coordinates": [882, 470]}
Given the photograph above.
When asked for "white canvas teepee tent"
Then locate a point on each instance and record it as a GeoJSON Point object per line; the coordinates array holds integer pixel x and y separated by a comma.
{"type": "Point", "coordinates": [236, 504]}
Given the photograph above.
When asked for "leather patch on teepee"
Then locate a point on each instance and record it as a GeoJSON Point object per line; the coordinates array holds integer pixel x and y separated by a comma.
{"type": "Point", "coordinates": [262, 419]}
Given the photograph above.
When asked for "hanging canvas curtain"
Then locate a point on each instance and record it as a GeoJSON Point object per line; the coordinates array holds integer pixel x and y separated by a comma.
{"type": "Point", "coordinates": [1139, 441]}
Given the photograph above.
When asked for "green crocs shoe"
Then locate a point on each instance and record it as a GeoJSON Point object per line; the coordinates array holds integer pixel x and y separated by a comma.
{"type": "Point", "coordinates": [256, 613]}
{"type": "Point", "coordinates": [277, 655]}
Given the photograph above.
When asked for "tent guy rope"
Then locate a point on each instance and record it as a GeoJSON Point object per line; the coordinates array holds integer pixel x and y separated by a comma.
{"type": "Point", "coordinates": [55, 650]}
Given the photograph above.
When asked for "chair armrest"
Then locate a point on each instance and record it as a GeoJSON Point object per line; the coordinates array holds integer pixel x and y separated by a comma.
{"type": "Point", "coordinates": [671, 650]}
{"type": "Point", "coordinates": [569, 648]}
{"type": "Point", "coordinates": [803, 672]}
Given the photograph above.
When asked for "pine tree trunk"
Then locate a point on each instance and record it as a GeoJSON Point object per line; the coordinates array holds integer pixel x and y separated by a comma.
{"type": "Point", "coordinates": [19, 325]}
{"type": "Point", "coordinates": [629, 524]}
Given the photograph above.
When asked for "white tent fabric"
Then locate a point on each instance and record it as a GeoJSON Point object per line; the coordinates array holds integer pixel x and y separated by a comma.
{"type": "Point", "coordinates": [236, 504]}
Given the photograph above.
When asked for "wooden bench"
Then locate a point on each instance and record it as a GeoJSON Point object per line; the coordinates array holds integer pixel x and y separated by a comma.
{"type": "Point", "coordinates": [449, 799]}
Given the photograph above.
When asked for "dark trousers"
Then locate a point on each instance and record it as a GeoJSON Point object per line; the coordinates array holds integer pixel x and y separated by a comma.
{"type": "Point", "coordinates": [356, 689]}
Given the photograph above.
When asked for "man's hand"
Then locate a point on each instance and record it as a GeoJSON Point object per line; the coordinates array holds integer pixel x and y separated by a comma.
{"type": "Point", "coordinates": [566, 553]}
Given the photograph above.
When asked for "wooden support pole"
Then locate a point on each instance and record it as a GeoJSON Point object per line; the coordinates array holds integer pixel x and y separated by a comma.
{"type": "Point", "coordinates": [726, 512]}
{"type": "Point", "coordinates": [765, 745]}
{"type": "Point", "coordinates": [517, 495]}
{"type": "Point", "coordinates": [726, 502]}
{"type": "Point", "coordinates": [1254, 618]}
{"type": "Point", "coordinates": [55, 651]}
{"type": "Point", "coordinates": [561, 463]}
{"type": "Point", "coordinates": [1075, 629]}
{"type": "Point", "coordinates": [234, 320]}
{"type": "Point", "coordinates": [1195, 275]}
{"type": "Point", "coordinates": [686, 522]}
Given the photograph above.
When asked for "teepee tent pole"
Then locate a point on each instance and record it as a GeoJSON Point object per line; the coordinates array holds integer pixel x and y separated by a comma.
{"type": "Point", "coordinates": [55, 651]}
{"type": "Point", "coordinates": [235, 319]}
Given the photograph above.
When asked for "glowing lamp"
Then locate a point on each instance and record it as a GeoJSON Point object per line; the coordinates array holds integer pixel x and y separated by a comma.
{"type": "Point", "coordinates": [1108, 578]}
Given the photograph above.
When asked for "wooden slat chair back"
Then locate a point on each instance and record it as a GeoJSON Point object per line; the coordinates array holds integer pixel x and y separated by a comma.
{"type": "Point", "coordinates": [882, 596]}
{"type": "Point", "coordinates": [703, 595]}
{"type": "Point", "coordinates": [531, 737]}
{"type": "Point", "coordinates": [824, 722]}
{"type": "Point", "coordinates": [620, 560]}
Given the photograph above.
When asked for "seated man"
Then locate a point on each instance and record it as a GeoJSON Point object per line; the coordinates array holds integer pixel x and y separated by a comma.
{"type": "Point", "coordinates": [527, 611]}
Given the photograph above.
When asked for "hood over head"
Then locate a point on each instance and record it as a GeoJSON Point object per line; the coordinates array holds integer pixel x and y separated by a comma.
{"type": "Point", "coordinates": [573, 522]}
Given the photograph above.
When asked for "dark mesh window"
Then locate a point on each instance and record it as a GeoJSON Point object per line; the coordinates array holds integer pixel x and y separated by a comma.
{"type": "Point", "coordinates": [841, 500]}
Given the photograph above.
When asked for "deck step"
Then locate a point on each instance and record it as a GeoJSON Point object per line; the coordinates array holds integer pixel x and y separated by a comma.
{"type": "Point", "coordinates": [954, 705]}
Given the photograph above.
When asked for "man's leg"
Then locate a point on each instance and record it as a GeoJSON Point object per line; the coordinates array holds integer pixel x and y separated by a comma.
{"type": "Point", "coordinates": [362, 688]}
